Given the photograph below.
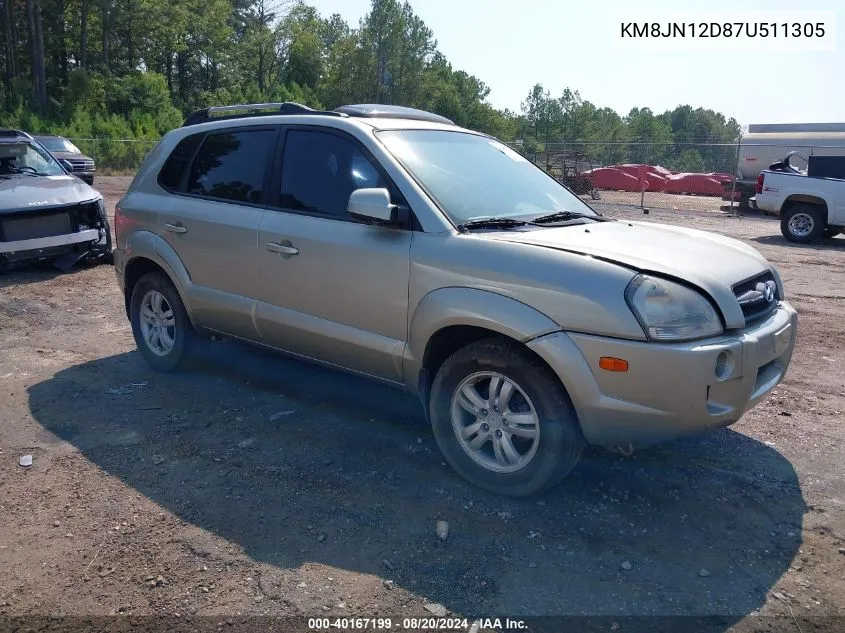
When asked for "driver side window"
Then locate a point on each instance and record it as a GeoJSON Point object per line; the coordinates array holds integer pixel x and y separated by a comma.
{"type": "Point", "coordinates": [320, 171]}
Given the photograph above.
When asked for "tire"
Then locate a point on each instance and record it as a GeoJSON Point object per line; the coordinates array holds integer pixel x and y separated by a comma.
{"type": "Point", "coordinates": [830, 232]}
{"type": "Point", "coordinates": [803, 223]}
{"type": "Point", "coordinates": [535, 393]}
{"type": "Point", "coordinates": [180, 334]}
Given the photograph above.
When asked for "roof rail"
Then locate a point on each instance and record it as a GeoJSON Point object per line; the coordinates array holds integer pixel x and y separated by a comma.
{"type": "Point", "coordinates": [382, 111]}
{"type": "Point", "coordinates": [365, 110]}
{"type": "Point", "coordinates": [252, 109]}
{"type": "Point", "coordinates": [18, 134]}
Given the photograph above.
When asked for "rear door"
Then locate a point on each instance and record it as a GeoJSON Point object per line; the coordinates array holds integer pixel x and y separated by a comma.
{"type": "Point", "coordinates": [212, 220]}
{"type": "Point", "coordinates": [332, 288]}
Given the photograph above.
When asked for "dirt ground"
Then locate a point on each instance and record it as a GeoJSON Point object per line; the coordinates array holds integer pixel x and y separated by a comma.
{"type": "Point", "coordinates": [257, 485]}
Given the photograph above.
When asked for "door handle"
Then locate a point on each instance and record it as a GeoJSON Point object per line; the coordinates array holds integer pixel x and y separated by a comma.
{"type": "Point", "coordinates": [176, 228]}
{"type": "Point", "coordinates": [284, 249]}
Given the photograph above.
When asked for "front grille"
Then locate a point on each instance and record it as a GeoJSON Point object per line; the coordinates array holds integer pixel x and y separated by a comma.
{"type": "Point", "coordinates": [752, 299]}
{"type": "Point", "coordinates": [82, 164]}
{"type": "Point", "coordinates": [33, 226]}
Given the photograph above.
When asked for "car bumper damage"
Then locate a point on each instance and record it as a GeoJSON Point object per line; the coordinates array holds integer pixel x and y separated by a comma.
{"type": "Point", "coordinates": [669, 390]}
{"type": "Point", "coordinates": [63, 235]}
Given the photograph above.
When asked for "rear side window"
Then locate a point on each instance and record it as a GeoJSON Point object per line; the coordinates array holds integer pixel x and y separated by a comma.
{"type": "Point", "coordinates": [170, 176]}
{"type": "Point", "coordinates": [321, 170]}
{"type": "Point", "coordinates": [233, 165]}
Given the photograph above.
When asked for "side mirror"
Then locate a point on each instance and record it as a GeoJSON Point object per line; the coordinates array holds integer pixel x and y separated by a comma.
{"type": "Point", "coordinates": [66, 164]}
{"type": "Point", "coordinates": [372, 205]}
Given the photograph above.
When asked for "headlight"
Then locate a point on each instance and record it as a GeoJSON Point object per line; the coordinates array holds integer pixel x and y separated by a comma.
{"type": "Point", "coordinates": [671, 312]}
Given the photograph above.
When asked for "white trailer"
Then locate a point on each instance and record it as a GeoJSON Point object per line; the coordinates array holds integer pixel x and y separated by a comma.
{"type": "Point", "coordinates": [764, 144]}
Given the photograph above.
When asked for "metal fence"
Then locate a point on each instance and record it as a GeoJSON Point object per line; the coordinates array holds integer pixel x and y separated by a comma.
{"type": "Point", "coordinates": [670, 176]}
{"type": "Point", "coordinates": [120, 157]}
{"type": "Point", "coordinates": [673, 176]}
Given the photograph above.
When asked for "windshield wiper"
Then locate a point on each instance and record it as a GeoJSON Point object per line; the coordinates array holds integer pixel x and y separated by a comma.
{"type": "Point", "coordinates": [19, 172]}
{"type": "Point", "coordinates": [562, 216]}
{"type": "Point", "coordinates": [490, 223]}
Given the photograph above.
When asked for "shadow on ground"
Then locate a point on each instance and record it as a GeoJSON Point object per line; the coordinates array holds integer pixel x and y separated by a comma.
{"type": "Point", "coordinates": [36, 273]}
{"type": "Point", "coordinates": [821, 244]}
{"type": "Point", "coordinates": [269, 453]}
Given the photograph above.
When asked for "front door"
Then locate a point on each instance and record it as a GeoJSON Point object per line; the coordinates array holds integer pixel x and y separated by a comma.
{"type": "Point", "coordinates": [332, 288]}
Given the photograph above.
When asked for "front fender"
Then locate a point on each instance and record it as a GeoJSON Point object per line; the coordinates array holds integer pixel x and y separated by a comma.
{"type": "Point", "coordinates": [446, 307]}
{"type": "Point", "coordinates": [148, 245]}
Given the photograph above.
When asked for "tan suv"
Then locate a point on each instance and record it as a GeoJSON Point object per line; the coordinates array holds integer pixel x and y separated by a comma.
{"type": "Point", "coordinates": [391, 243]}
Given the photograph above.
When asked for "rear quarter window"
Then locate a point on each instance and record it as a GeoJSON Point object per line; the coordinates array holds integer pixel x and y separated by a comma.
{"type": "Point", "coordinates": [170, 176]}
{"type": "Point", "coordinates": [233, 166]}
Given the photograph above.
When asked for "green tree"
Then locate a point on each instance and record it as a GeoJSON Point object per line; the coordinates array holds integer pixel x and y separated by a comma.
{"type": "Point", "coordinates": [689, 160]}
{"type": "Point", "coordinates": [134, 68]}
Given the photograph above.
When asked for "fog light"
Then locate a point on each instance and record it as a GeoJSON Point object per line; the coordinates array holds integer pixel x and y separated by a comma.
{"type": "Point", "coordinates": [724, 364]}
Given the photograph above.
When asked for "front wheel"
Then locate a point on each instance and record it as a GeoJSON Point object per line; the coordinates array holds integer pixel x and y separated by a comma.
{"type": "Point", "coordinates": [502, 420]}
{"type": "Point", "coordinates": [803, 223]}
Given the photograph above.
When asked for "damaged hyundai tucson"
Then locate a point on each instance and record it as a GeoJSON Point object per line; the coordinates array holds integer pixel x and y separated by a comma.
{"type": "Point", "coordinates": [46, 214]}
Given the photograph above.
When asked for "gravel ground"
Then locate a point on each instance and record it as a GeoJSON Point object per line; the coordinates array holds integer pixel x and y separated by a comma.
{"type": "Point", "coordinates": [257, 485]}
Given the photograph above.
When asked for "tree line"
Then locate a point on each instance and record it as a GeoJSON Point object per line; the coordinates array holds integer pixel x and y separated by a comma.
{"type": "Point", "coordinates": [132, 69]}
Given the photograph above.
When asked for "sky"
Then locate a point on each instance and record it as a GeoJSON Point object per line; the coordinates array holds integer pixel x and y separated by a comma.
{"type": "Point", "coordinates": [576, 44]}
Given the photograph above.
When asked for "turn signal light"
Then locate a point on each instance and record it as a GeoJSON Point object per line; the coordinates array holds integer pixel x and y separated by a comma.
{"type": "Point", "coordinates": [613, 364]}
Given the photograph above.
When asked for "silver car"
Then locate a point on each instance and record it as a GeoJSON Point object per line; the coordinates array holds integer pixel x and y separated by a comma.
{"type": "Point", "coordinates": [391, 243]}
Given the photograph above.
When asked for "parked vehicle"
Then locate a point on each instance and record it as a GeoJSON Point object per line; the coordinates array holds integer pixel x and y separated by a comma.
{"type": "Point", "coordinates": [811, 203]}
{"type": "Point", "coordinates": [62, 149]}
{"type": "Point", "coordinates": [763, 144]}
{"type": "Point", "coordinates": [45, 213]}
{"type": "Point", "coordinates": [392, 243]}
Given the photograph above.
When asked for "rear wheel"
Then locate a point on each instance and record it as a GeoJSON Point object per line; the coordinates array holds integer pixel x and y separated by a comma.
{"type": "Point", "coordinates": [803, 223]}
{"type": "Point", "coordinates": [502, 420]}
{"type": "Point", "coordinates": [160, 324]}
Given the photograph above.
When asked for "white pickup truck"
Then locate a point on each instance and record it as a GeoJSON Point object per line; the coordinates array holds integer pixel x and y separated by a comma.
{"type": "Point", "coordinates": [811, 202]}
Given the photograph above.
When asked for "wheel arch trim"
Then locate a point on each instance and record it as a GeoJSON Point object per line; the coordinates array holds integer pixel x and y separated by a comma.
{"type": "Point", "coordinates": [811, 198]}
{"type": "Point", "coordinates": [147, 245]}
{"type": "Point", "coordinates": [473, 307]}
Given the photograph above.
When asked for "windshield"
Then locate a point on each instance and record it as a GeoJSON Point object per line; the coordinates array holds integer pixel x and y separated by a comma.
{"type": "Point", "coordinates": [58, 144]}
{"type": "Point", "coordinates": [23, 158]}
{"type": "Point", "coordinates": [473, 177]}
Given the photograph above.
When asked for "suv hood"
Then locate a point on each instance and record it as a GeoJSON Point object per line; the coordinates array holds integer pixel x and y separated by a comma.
{"type": "Point", "coordinates": [68, 155]}
{"type": "Point", "coordinates": [34, 193]}
{"type": "Point", "coordinates": [710, 261]}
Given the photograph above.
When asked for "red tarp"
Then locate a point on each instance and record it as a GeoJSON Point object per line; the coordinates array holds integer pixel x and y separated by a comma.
{"type": "Point", "coordinates": [612, 178]}
{"type": "Point", "coordinates": [636, 177]}
{"type": "Point", "coordinates": [701, 184]}
{"type": "Point", "coordinates": [654, 177]}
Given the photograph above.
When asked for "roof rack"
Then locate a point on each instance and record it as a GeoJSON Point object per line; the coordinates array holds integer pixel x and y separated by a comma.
{"type": "Point", "coordinates": [251, 109]}
{"type": "Point", "coordinates": [382, 111]}
{"type": "Point", "coordinates": [364, 110]}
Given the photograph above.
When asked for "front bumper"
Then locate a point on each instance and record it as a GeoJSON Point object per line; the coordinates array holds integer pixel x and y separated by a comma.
{"type": "Point", "coordinates": [38, 244]}
{"type": "Point", "coordinates": [669, 390]}
{"type": "Point", "coordinates": [87, 176]}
